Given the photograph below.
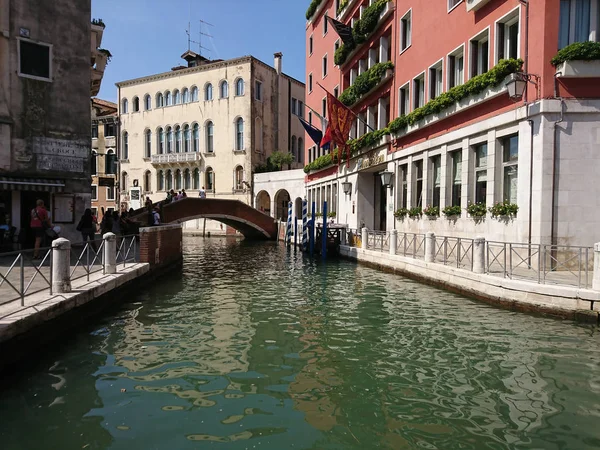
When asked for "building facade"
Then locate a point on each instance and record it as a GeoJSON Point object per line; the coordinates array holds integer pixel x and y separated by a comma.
{"type": "Point", "coordinates": [209, 125]}
{"type": "Point", "coordinates": [436, 83]}
{"type": "Point", "coordinates": [105, 121]}
{"type": "Point", "coordinates": [45, 85]}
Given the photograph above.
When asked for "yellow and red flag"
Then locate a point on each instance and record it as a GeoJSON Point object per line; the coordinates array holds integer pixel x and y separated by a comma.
{"type": "Point", "coordinates": [341, 119]}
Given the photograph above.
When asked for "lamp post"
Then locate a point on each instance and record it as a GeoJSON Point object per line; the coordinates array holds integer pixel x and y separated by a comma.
{"type": "Point", "coordinates": [386, 178]}
{"type": "Point", "coordinates": [517, 84]}
{"type": "Point", "coordinates": [347, 187]}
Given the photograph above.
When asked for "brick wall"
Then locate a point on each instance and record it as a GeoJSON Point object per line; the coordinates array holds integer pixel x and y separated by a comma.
{"type": "Point", "coordinates": [161, 246]}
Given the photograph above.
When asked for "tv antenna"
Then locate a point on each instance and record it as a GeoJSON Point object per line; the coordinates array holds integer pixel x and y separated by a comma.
{"type": "Point", "coordinates": [200, 34]}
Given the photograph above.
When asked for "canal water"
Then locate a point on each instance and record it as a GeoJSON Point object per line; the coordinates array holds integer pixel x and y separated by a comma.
{"type": "Point", "coordinates": [256, 347]}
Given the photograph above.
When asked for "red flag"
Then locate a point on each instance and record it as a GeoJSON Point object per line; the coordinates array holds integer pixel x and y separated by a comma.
{"type": "Point", "coordinates": [326, 138]}
{"type": "Point", "coordinates": [341, 119]}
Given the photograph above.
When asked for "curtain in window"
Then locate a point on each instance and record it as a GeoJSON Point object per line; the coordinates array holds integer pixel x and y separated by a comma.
{"type": "Point", "coordinates": [582, 20]}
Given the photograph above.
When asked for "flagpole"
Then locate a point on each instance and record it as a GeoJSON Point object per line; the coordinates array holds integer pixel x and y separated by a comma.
{"type": "Point", "coordinates": [356, 115]}
{"type": "Point", "coordinates": [318, 115]}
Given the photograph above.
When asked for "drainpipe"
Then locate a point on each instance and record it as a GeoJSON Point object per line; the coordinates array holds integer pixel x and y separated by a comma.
{"type": "Point", "coordinates": [117, 157]}
{"type": "Point", "coordinates": [553, 237]}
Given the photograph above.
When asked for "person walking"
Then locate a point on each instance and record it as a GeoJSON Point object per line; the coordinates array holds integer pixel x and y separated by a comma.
{"type": "Point", "coordinates": [202, 193]}
{"type": "Point", "coordinates": [87, 228]}
{"type": "Point", "coordinates": [39, 223]}
{"type": "Point", "coordinates": [155, 217]}
{"type": "Point", "coordinates": [183, 194]}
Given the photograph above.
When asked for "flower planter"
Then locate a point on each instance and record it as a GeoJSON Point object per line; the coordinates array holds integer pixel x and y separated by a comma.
{"type": "Point", "coordinates": [578, 69]}
{"type": "Point", "coordinates": [474, 5]}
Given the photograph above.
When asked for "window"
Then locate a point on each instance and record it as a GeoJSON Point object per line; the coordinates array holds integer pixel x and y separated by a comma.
{"type": "Point", "coordinates": [194, 94]}
{"type": "Point", "coordinates": [300, 149]}
{"type": "Point", "coordinates": [196, 179]}
{"type": "Point", "coordinates": [110, 193]}
{"type": "Point", "coordinates": [480, 54]}
{"type": "Point", "coordinates": [125, 145]}
{"type": "Point", "coordinates": [124, 181]}
{"type": "Point", "coordinates": [418, 194]}
{"type": "Point", "coordinates": [403, 181]}
{"type": "Point", "coordinates": [480, 173]}
{"type": "Point", "coordinates": [419, 91]}
{"type": "Point", "coordinates": [160, 135]}
{"type": "Point", "coordinates": [196, 133]}
{"type": "Point", "coordinates": [109, 129]}
{"type": "Point", "coordinates": [185, 96]}
{"type": "Point", "coordinates": [209, 179]}
{"type": "Point", "coordinates": [336, 91]}
{"type": "Point", "coordinates": [404, 100]}
{"type": "Point", "coordinates": [325, 23]}
{"type": "Point", "coordinates": [187, 179]}
{"type": "Point", "coordinates": [169, 180]}
{"type": "Point", "coordinates": [406, 31]}
{"type": "Point", "coordinates": [310, 82]}
{"type": "Point", "coordinates": [456, 70]}
{"type": "Point", "coordinates": [160, 180]}
{"type": "Point", "coordinates": [147, 103]}
{"type": "Point", "coordinates": [293, 147]}
{"type": "Point", "coordinates": [136, 104]}
{"type": "Point", "coordinates": [310, 45]}
{"type": "Point", "coordinates": [160, 100]}
{"type": "Point", "coordinates": [310, 117]}
{"type": "Point", "coordinates": [579, 21]}
{"type": "Point", "coordinates": [95, 131]}
{"type": "Point", "coordinates": [294, 106]}
{"type": "Point", "coordinates": [208, 92]}
{"type": "Point", "coordinates": [110, 163]}
{"type": "Point", "coordinates": [436, 80]}
{"type": "Point", "coordinates": [94, 192]}
{"type": "Point", "coordinates": [324, 106]}
{"type": "Point", "coordinates": [239, 87]}
{"type": "Point", "coordinates": [168, 101]}
{"type": "Point", "coordinates": [510, 160]}
{"type": "Point", "coordinates": [124, 106]}
{"type": "Point", "coordinates": [507, 37]}
{"type": "Point", "coordinates": [176, 97]}
{"type": "Point", "coordinates": [452, 4]}
{"type": "Point", "coordinates": [300, 109]}
{"type": "Point", "coordinates": [94, 162]}
{"type": "Point", "coordinates": [35, 60]}
{"type": "Point", "coordinates": [324, 66]}
{"type": "Point", "coordinates": [209, 137]}
{"type": "Point", "coordinates": [148, 143]}
{"type": "Point", "coordinates": [239, 178]}
{"type": "Point", "coordinates": [456, 177]}
{"type": "Point", "coordinates": [187, 143]}
{"type": "Point", "coordinates": [436, 180]}
{"type": "Point", "coordinates": [147, 181]}
{"type": "Point", "coordinates": [224, 89]}
{"type": "Point", "coordinates": [258, 90]}
{"type": "Point", "coordinates": [177, 139]}
{"type": "Point", "coordinates": [239, 134]}
{"type": "Point", "coordinates": [336, 45]}
{"type": "Point", "coordinates": [178, 179]}
{"type": "Point", "coordinates": [169, 140]}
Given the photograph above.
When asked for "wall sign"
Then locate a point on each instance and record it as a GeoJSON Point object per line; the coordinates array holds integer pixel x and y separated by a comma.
{"type": "Point", "coordinates": [63, 210]}
{"type": "Point", "coordinates": [60, 155]}
{"type": "Point", "coordinates": [371, 160]}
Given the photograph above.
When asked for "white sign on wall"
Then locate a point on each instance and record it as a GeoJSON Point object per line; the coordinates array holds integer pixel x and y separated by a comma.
{"type": "Point", "coordinates": [60, 155]}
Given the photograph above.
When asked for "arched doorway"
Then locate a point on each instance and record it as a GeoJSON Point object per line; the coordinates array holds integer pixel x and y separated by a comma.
{"type": "Point", "coordinates": [282, 199]}
{"type": "Point", "coordinates": [263, 202]}
{"type": "Point", "coordinates": [298, 208]}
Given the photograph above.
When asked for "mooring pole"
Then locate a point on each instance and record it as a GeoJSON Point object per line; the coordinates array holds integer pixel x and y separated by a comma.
{"type": "Point", "coordinates": [304, 228]}
{"type": "Point", "coordinates": [324, 231]}
{"type": "Point", "coordinates": [312, 230]}
{"type": "Point", "coordinates": [289, 225]}
{"type": "Point", "coordinates": [295, 232]}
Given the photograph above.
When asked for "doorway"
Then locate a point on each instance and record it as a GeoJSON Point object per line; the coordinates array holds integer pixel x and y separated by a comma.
{"type": "Point", "coordinates": [28, 201]}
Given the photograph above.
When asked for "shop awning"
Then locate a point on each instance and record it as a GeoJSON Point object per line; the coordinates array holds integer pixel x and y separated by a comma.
{"type": "Point", "coordinates": [32, 184]}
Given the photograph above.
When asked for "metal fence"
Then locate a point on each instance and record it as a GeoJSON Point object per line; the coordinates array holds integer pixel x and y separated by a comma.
{"type": "Point", "coordinates": [411, 244]}
{"type": "Point", "coordinates": [378, 240]}
{"type": "Point", "coordinates": [457, 252]}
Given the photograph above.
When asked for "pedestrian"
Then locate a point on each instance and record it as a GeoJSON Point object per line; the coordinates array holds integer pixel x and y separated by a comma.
{"type": "Point", "coordinates": [202, 193]}
{"type": "Point", "coordinates": [87, 228]}
{"type": "Point", "coordinates": [39, 223]}
{"type": "Point", "coordinates": [107, 223]}
{"type": "Point", "coordinates": [148, 204]}
{"type": "Point", "coordinates": [183, 194]}
{"type": "Point", "coordinates": [155, 217]}
{"type": "Point", "coordinates": [116, 223]}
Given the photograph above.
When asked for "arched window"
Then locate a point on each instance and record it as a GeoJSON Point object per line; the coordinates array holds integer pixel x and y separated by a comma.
{"type": "Point", "coordinates": [160, 141]}
{"type": "Point", "coordinates": [147, 102]}
{"type": "Point", "coordinates": [258, 135]}
{"type": "Point", "coordinates": [147, 181]}
{"type": "Point", "coordinates": [124, 181]}
{"type": "Point", "coordinates": [187, 179]}
{"type": "Point", "coordinates": [239, 134]}
{"type": "Point", "coordinates": [196, 179]}
{"type": "Point", "coordinates": [148, 143]}
{"type": "Point", "coordinates": [293, 147]}
{"type": "Point", "coordinates": [224, 89]}
{"type": "Point", "coordinates": [239, 87]}
{"type": "Point", "coordinates": [185, 95]}
{"type": "Point", "coordinates": [169, 140]}
{"type": "Point", "coordinates": [176, 97]}
{"type": "Point", "coordinates": [94, 162]}
{"type": "Point", "coordinates": [125, 154]}
{"type": "Point", "coordinates": [169, 180]}
{"type": "Point", "coordinates": [160, 180]}
{"type": "Point", "coordinates": [196, 132]}
{"type": "Point", "coordinates": [300, 149]}
{"type": "Point", "coordinates": [168, 98]}
{"type": "Point", "coordinates": [178, 179]}
{"type": "Point", "coordinates": [124, 106]}
{"type": "Point", "coordinates": [209, 179]}
{"type": "Point", "coordinates": [110, 163]}
{"type": "Point", "coordinates": [177, 139]}
{"type": "Point", "coordinates": [160, 100]}
{"type": "Point", "coordinates": [208, 95]}
{"type": "Point", "coordinates": [210, 137]}
{"type": "Point", "coordinates": [239, 178]}
{"type": "Point", "coordinates": [136, 104]}
{"type": "Point", "coordinates": [186, 139]}
{"type": "Point", "coordinates": [194, 94]}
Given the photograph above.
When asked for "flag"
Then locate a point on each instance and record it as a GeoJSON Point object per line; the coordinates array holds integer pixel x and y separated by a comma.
{"type": "Point", "coordinates": [315, 134]}
{"type": "Point", "coordinates": [326, 141]}
{"type": "Point", "coordinates": [341, 119]}
{"type": "Point", "coordinates": [343, 31]}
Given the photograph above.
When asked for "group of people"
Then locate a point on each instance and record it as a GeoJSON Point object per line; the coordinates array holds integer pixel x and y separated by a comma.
{"type": "Point", "coordinates": [172, 196]}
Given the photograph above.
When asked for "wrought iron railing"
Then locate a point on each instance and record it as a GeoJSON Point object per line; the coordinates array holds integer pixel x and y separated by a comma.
{"type": "Point", "coordinates": [378, 240]}
{"type": "Point", "coordinates": [411, 244]}
{"type": "Point", "coordinates": [451, 251]}
{"type": "Point", "coordinates": [21, 274]}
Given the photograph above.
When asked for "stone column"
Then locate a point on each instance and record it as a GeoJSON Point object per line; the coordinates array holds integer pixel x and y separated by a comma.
{"type": "Point", "coordinates": [61, 265]}
{"type": "Point", "coordinates": [364, 237]}
{"type": "Point", "coordinates": [596, 276]}
{"type": "Point", "coordinates": [429, 247]}
{"type": "Point", "coordinates": [110, 253]}
{"type": "Point", "coordinates": [479, 255]}
{"type": "Point", "coordinates": [393, 241]}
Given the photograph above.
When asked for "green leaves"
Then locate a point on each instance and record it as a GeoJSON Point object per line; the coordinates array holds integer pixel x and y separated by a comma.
{"type": "Point", "coordinates": [582, 51]}
{"type": "Point", "coordinates": [364, 83]}
{"type": "Point", "coordinates": [476, 210]}
{"type": "Point", "coordinates": [450, 211]}
{"type": "Point", "coordinates": [415, 213]}
{"type": "Point", "coordinates": [432, 211]}
{"type": "Point", "coordinates": [312, 8]}
{"type": "Point", "coordinates": [400, 213]}
{"type": "Point", "coordinates": [505, 208]}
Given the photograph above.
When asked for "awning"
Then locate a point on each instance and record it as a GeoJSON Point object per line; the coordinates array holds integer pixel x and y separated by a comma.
{"type": "Point", "coordinates": [32, 184]}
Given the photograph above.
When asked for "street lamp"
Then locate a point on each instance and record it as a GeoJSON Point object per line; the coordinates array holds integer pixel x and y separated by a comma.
{"type": "Point", "coordinates": [517, 84]}
{"type": "Point", "coordinates": [347, 187]}
{"type": "Point", "coordinates": [386, 178]}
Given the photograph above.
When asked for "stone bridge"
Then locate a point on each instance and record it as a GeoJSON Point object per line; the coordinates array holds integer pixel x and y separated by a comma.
{"type": "Point", "coordinates": [252, 223]}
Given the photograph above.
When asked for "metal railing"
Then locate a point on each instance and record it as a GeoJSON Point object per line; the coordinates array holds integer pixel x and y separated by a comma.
{"type": "Point", "coordinates": [378, 240]}
{"type": "Point", "coordinates": [451, 251]}
{"type": "Point", "coordinates": [127, 249]}
{"type": "Point", "coordinates": [90, 259]}
{"type": "Point", "coordinates": [24, 275]}
{"type": "Point", "coordinates": [411, 244]}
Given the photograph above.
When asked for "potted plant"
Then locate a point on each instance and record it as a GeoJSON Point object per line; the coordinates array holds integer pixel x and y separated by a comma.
{"type": "Point", "coordinates": [451, 211]}
{"type": "Point", "coordinates": [503, 209]}
{"type": "Point", "coordinates": [476, 210]}
{"type": "Point", "coordinates": [432, 212]}
{"type": "Point", "coordinates": [98, 22]}
{"type": "Point", "coordinates": [415, 213]}
{"type": "Point", "coordinates": [580, 59]}
{"type": "Point", "coordinates": [400, 213]}
{"type": "Point", "coordinates": [331, 215]}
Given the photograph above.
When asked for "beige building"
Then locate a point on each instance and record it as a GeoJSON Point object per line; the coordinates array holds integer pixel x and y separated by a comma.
{"type": "Point", "coordinates": [208, 124]}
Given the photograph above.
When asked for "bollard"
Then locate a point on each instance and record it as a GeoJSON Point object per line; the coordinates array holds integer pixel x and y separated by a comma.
{"type": "Point", "coordinates": [479, 255]}
{"type": "Point", "coordinates": [61, 265]}
{"type": "Point", "coordinates": [596, 276]}
{"type": "Point", "coordinates": [393, 241]}
{"type": "Point", "coordinates": [364, 237]}
{"type": "Point", "coordinates": [429, 247]}
{"type": "Point", "coordinates": [110, 253]}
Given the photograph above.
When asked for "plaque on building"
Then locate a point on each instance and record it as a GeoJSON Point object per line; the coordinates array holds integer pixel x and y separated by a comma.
{"type": "Point", "coordinates": [60, 155]}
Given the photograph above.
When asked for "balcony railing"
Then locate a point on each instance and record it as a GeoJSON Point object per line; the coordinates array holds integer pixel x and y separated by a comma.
{"type": "Point", "coordinates": [176, 158]}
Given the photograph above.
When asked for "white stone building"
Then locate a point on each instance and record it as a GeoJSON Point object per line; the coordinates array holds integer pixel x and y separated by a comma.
{"type": "Point", "coordinates": [274, 190]}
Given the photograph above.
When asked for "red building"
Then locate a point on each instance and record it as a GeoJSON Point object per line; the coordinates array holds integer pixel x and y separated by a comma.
{"type": "Point", "coordinates": [460, 102]}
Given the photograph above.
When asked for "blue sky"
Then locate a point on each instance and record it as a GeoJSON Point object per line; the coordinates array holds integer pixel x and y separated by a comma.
{"type": "Point", "coordinates": [149, 36]}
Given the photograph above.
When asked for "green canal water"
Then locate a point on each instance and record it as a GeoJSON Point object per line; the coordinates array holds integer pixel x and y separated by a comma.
{"type": "Point", "coordinates": [255, 347]}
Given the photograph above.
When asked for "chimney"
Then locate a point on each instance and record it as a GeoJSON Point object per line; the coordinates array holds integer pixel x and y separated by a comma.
{"type": "Point", "coordinates": [277, 63]}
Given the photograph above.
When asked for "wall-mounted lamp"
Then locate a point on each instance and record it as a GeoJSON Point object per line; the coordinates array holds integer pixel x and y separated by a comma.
{"type": "Point", "coordinates": [386, 178]}
{"type": "Point", "coordinates": [517, 84]}
{"type": "Point", "coordinates": [347, 187]}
